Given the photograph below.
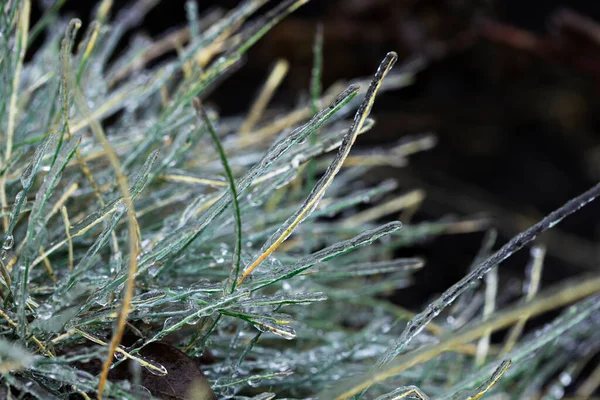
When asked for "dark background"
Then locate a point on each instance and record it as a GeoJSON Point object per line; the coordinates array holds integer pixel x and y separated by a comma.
{"type": "Point", "coordinates": [516, 120]}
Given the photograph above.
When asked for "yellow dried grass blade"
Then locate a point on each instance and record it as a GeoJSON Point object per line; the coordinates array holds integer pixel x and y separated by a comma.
{"type": "Point", "coordinates": [132, 226]}
{"type": "Point", "coordinates": [275, 78]}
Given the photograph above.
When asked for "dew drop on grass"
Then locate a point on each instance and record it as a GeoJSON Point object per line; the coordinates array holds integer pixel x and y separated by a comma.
{"type": "Point", "coordinates": [255, 382]}
{"type": "Point", "coordinates": [252, 199]}
{"type": "Point", "coordinates": [296, 161]}
{"type": "Point", "coordinates": [194, 320]}
{"type": "Point", "coordinates": [154, 270]}
{"type": "Point", "coordinates": [565, 379]}
{"type": "Point", "coordinates": [9, 242]}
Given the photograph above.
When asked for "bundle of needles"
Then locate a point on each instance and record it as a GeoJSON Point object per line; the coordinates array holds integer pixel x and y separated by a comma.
{"type": "Point", "coordinates": [154, 249]}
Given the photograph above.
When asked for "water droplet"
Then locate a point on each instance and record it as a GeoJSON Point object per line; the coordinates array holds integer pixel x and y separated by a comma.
{"type": "Point", "coordinates": [9, 241]}
{"type": "Point", "coordinates": [255, 382]}
{"type": "Point", "coordinates": [154, 270]}
{"type": "Point", "coordinates": [565, 379]}
{"type": "Point", "coordinates": [296, 161]}
{"type": "Point", "coordinates": [254, 198]}
{"type": "Point", "coordinates": [557, 392]}
{"type": "Point", "coordinates": [158, 369]}
{"type": "Point", "coordinates": [227, 392]}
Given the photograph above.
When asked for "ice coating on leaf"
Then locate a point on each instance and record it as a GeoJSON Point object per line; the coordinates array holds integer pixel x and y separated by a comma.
{"type": "Point", "coordinates": [404, 391]}
{"type": "Point", "coordinates": [328, 253]}
{"type": "Point", "coordinates": [285, 299]}
{"type": "Point", "coordinates": [416, 325]}
{"type": "Point", "coordinates": [313, 288]}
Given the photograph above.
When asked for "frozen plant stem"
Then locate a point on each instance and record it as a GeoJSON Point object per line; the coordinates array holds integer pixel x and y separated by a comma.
{"type": "Point", "coordinates": [319, 191]}
{"type": "Point", "coordinates": [419, 322]}
{"type": "Point", "coordinates": [491, 291]}
{"type": "Point", "coordinates": [570, 292]}
{"type": "Point", "coordinates": [131, 227]}
{"type": "Point", "coordinates": [22, 34]}
{"type": "Point", "coordinates": [534, 272]}
{"type": "Point", "coordinates": [68, 197]}
{"type": "Point", "coordinates": [236, 259]}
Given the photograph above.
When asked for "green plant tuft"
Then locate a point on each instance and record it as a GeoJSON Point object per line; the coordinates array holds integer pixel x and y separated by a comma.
{"type": "Point", "coordinates": [144, 234]}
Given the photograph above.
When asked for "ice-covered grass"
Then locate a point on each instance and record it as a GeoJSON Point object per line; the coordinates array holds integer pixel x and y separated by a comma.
{"type": "Point", "coordinates": [236, 238]}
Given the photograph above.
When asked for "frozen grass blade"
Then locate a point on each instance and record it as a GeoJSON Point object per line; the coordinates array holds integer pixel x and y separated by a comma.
{"type": "Point", "coordinates": [491, 292]}
{"type": "Point", "coordinates": [568, 293]}
{"type": "Point", "coordinates": [71, 183]}
{"type": "Point", "coordinates": [234, 196]}
{"type": "Point", "coordinates": [488, 385]}
{"type": "Point", "coordinates": [326, 254]}
{"type": "Point", "coordinates": [319, 191]}
{"type": "Point", "coordinates": [417, 324]}
{"type": "Point", "coordinates": [132, 227]}
{"type": "Point", "coordinates": [317, 71]}
{"type": "Point", "coordinates": [534, 272]}
{"type": "Point", "coordinates": [404, 392]}
{"type": "Point", "coordinates": [21, 48]}
{"type": "Point", "coordinates": [315, 92]}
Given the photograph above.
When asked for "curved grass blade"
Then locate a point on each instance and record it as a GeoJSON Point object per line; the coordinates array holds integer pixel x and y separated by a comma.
{"type": "Point", "coordinates": [236, 258]}
{"type": "Point", "coordinates": [319, 191]}
{"type": "Point", "coordinates": [132, 228]}
{"type": "Point", "coordinates": [566, 294]}
{"type": "Point", "coordinates": [417, 324]}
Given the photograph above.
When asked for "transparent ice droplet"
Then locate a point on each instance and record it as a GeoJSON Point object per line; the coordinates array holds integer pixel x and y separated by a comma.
{"type": "Point", "coordinates": [9, 242]}
{"type": "Point", "coordinates": [194, 319]}
{"type": "Point", "coordinates": [44, 311]}
{"type": "Point", "coordinates": [103, 301]}
{"type": "Point", "coordinates": [119, 356]}
{"type": "Point", "coordinates": [154, 270]}
{"type": "Point", "coordinates": [296, 161]}
{"type": "Point", "coordinates": [153, 371]}
{"type": "Point", "coordinates": [565, 378]}
{"type": "Point", "coordinates": [254, 198]}
{"type": "Point", "coordinates": [287, 179]}
{"type": "Point", "coordinates": [255, 382]}
{"type": "Point", "coordinates": [18, 197]}
{"type": "Point", "coordinates": [227, 392]}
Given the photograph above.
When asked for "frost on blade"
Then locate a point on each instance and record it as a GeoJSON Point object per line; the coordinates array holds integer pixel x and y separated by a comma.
{"type": "Point", "coordinates": [281, 299]}
{"type": "Point", "coordinates": [416, 325]}
{"type": "Point", "coordinates": [328, 253]}
{"type": "Point", "coordinates": [28, 175]}
{"type": "Point", "coordinates": [323, 184]}
{"type": "Point", "coordinates": [14, 357]}
{"type": "Point", "coordinates": [315, 308]}
{"type": "Point", "coordinates": [372, 268]}
{"type": "Point", "coordinates": [404, 392]}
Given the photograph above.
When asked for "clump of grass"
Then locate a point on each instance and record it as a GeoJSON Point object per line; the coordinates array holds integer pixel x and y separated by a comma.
{"type": "Point", "coordinates": [178, 226]}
